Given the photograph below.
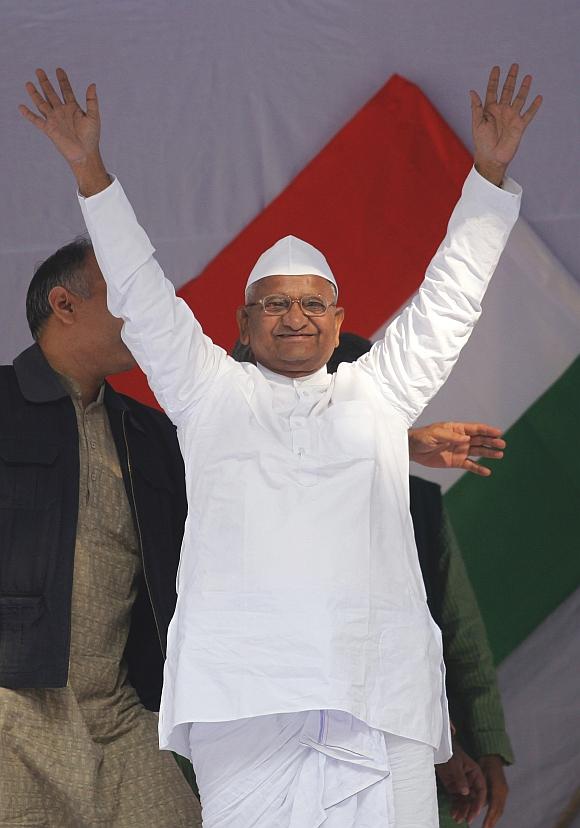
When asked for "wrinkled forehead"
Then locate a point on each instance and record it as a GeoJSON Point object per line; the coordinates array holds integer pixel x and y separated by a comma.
{"type": "Point", "coordinates": [295, 285]}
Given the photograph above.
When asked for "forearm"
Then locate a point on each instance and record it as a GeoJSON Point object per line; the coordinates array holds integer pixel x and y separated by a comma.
{"type": "Point", "coordinates": [160, 329]}
{"type": "Point", "coordinates": [474, 697]}
{"type": "Point", "coordinates": [423, 343]}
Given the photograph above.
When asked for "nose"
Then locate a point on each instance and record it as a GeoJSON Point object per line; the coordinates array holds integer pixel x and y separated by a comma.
{"type": "Point", "coordinates": [295, 318]}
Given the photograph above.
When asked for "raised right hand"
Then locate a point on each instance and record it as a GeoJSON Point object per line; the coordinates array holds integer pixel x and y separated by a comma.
{"type": "Point", "coordinates": [74, 131]}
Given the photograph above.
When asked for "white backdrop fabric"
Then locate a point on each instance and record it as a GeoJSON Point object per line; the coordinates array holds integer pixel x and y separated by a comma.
{"type": "Point", "coordinates": [211, 107]}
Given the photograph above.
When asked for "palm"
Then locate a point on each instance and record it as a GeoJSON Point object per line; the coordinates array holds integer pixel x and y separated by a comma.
{"type": "Point", "coordinates": [499, 132]}
{"type": "Point", "coordinates": [441, 452]}
{"type": "Point", "coordinates": [498, 124]}
{"type": "Point", "coordinates": [74, 132]}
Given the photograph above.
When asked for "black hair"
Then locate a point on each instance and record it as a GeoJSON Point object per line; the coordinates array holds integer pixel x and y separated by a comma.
{"type": "Point", "coordinates": [65, 268]}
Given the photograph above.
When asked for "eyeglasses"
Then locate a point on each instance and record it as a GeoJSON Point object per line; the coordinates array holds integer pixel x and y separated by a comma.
{"type": "Point", "coordinates": [277, 304]}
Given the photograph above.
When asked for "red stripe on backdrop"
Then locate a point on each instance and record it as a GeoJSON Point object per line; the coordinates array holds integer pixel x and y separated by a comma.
{"type": "Point", "coordinates": [375, 200]}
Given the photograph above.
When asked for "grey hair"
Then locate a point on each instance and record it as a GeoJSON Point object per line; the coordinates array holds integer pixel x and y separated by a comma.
{"type": "Point", "coordinates": [65, 268]}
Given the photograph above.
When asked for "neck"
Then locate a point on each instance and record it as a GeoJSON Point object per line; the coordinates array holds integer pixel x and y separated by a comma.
{"type": "Point", "coordinates": [70, 364]}
{"type": "Point", "coordinates": [298, 374]}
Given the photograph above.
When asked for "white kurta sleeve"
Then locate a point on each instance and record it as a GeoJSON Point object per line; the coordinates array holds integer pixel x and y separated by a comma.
{"type": "Point", "coordinates": [422, 344]}
{"type": "Point", "coordinates": [159, 329]}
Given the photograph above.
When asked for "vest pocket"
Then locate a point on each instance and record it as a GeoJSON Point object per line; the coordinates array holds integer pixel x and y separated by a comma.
{"type": "Point", "coordinates": [30, 487]}
{"type": "Point", "coordinates": [18, 614]}
{"type": "Point", "coordinates": [28, 472]}
{"type": "Point", "coordinates": [18, 611]}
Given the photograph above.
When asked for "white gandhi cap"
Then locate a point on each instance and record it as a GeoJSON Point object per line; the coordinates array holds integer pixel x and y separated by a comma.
{"type": "Point", "coordinates": [291, 257]}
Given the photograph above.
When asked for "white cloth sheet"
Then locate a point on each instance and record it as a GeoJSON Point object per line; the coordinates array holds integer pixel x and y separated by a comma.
{"type": "Point", "coordinates": [311, 769]}
{"type": "Point", "coordinates": [299, 584]}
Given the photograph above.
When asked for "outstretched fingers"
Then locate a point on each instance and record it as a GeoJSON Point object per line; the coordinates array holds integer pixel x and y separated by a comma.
{"type": "Point", "coordinates": [40, 103]}
{"type": "Point", "coordinates": [48, 89]}
{"type": "Point", "coordinates": [475, 468]}
{"type": "Point", "coordinates": [450, 437]}
{"type": "Point", "coordinates": [509, 85]}
{"type": "Point", "coordinates": [492, 84]}
{"type": "Point", "coordinates": [531, 112]}
{"type": "Point", "coordinates": [524, 89]}
{"type": "Point", "coordinates": [66, 89]}
{"type": "Point", "coordinates": [482, 430]}
{"type": "Point", "coordinates": [32, 117]}
{"type": "Point", "coordinates": [485, 451]}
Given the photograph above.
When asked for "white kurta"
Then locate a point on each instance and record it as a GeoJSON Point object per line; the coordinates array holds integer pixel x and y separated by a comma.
{"type": "Point", "coordinates": [299, 584]}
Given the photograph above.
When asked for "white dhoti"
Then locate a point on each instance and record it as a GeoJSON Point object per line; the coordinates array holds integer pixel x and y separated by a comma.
{"type": "Point", "coordinates": [311, 769]}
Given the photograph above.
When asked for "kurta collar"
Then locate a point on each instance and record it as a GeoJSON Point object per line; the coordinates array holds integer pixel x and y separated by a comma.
{"type": "Point", "coordinates": [74, 390]}
{"type": "Point", "coordinates": [319, 378]}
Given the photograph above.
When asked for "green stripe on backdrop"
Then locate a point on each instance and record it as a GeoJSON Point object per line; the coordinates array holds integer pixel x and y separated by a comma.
{"type": "Point", "coordinates": [520, 530]}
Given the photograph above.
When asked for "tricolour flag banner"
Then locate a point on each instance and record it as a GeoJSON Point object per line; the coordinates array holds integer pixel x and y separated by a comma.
{"type": "Point", "coordinates": [376, 201]}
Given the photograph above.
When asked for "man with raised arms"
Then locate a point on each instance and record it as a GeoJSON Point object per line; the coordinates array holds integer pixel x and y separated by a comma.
{"type": "Point", "coordinates": [304, 674]}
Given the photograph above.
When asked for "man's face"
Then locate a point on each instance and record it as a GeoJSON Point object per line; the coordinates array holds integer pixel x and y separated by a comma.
{"type": "Point", "coordinates": [293, 344]}
{"type": "Point", "coordinates": [98, 332]}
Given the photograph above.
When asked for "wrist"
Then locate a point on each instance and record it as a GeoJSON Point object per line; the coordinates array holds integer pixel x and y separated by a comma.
{"type": "Point", "coordinates": [91, 175]}
{"type": "Point", "coordinates": [492, 171]}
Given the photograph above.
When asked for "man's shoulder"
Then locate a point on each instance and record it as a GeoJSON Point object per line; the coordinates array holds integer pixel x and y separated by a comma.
{"type": "Point", "coordinates": [8, 377]}
{"type": "Point", "coordinates": [147, 413]}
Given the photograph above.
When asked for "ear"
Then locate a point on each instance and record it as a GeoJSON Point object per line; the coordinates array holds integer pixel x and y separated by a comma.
{"type": "Point", "coordinates": [243, 325]}
{"type": "Point", "coordinates": [63, 304]}
{"type": "Point", "coordinates": [338, 320]}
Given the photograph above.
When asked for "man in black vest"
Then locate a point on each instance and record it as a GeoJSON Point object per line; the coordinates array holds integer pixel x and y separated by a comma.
{"type": "Point", "coordinates": [92, 508]}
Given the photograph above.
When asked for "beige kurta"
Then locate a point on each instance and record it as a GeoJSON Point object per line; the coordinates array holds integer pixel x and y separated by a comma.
{"type": "Point", "coordinates": [87, 754]}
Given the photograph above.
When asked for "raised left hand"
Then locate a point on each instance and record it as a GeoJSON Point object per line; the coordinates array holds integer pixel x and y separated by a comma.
{"type": "Point", "coordinates": [498, 125]}
{"type": "Point", "coordinates": [452, 445]}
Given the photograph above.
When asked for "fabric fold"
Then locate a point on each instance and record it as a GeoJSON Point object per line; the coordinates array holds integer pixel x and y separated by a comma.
{"type": "Point", "coordinates": [299, 770]}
